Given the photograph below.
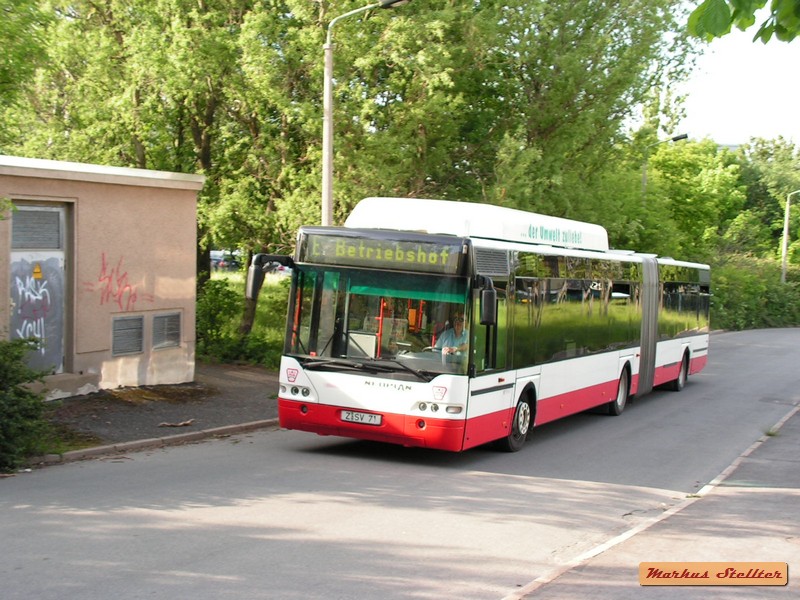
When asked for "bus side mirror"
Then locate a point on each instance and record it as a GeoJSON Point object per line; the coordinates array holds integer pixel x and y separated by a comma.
{"type": "Point", "coordinates": [488, 303]}
{"type": "Point", "coordinates": [255, 277]}
{"type": "Point", "coordinates": [261, 264]}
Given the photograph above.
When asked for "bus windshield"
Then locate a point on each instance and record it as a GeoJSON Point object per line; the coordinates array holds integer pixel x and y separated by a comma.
{"type": "Point", "coordinates": [376, 317]}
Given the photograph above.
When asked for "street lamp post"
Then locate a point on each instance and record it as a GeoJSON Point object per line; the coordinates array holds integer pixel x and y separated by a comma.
{"type": "Point", "coordinates": [327, 108]}
{"type": "Point", "coordinates": [785, 245]}
{"type": "Point", "coordinates": [676, 138]}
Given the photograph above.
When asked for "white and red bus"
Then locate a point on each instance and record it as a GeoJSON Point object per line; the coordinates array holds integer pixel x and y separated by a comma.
{"type": "Point", "coordinates": [555, 323]}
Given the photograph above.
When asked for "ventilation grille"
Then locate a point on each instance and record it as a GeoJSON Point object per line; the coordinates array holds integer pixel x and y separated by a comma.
{"type": "Point", "coordinates": [167, 331]}
{"type": "Point", "coordinates": [128, 336]}
{"type": "Point", "coordinates": [492, 263]}
{"type": "Point", "coordinates": [36, 230]}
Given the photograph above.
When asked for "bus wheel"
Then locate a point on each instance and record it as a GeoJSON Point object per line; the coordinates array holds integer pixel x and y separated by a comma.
{"type": "Point", "coordinates": [520, 427]}
{"type": "Point", "coordinates": [676, 385]}
{"type": "Point", "coordinates": [616, 407]}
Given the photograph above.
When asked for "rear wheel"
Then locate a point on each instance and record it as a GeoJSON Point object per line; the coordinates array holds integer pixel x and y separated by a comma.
{"type": "Point", "coordinates": [616, 407]}
{"type": "Point", "coordinates": [676, 385]}
{"type": "Point", "coordinates": [521, 425]}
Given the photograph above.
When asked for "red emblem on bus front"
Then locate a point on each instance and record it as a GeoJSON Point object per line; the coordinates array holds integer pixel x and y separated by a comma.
{"type": "Point", "coordinates": [291, 374]}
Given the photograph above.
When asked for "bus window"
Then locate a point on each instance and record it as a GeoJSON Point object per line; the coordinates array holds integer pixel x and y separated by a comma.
{"type": "Point", "coordinates": [490, 349]}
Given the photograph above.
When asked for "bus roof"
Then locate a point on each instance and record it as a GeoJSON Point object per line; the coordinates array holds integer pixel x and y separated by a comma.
{"type": "Point", "coordinates": [470, 219]}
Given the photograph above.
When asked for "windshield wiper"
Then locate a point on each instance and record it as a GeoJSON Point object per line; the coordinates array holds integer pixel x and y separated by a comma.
{"type": "Point", "coordinates": [315, 363]}
{"type": "Point", "coordinates": [395, 362]}
{"type": "Point", "coordinates": [370, 364]}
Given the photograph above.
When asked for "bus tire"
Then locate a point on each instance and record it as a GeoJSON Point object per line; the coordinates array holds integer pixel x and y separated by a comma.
{"type": "Point", "coordinates": [616, 406]}
{"type": "Point", "coordinates": [520, 427]}
{"type": "Point", "coordinates": [676, 385]}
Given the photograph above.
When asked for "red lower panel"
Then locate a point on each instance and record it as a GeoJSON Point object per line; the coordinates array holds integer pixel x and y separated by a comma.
{"type": "Point", "coordinates": [556, 407]}
{"type": "Point", "coordinates": [670, 372]}
{"type": "Point", "coordinates": [440, 434]}
{"type": "Point", "coordinates": [666, 373]}
{"type": "Point", "coordinates": [487, 428]}
{"type": "Point", "coordinates": [698, 364]}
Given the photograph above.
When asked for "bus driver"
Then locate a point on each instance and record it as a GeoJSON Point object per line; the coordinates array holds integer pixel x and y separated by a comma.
{"type": "Point", "coordinates": [455, 339]}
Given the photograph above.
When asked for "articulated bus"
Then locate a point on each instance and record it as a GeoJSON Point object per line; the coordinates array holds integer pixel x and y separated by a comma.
{"type": "Point", "coordinates": [555, 323]}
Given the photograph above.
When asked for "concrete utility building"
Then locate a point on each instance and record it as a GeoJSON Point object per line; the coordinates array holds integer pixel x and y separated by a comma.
{"type": "Point", "coordinates": [98, 263]}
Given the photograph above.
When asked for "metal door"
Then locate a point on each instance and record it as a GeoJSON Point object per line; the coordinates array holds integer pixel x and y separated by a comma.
{"type": "Point", "coordinates": [38, 283]}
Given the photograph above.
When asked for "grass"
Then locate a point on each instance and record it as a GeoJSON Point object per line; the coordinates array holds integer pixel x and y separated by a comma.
{"type": "Point", "coordinates": [64, 439]}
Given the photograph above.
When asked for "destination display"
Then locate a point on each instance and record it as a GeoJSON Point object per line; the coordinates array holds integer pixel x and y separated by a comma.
{"type": "Point", "coordinates": [429, 257]}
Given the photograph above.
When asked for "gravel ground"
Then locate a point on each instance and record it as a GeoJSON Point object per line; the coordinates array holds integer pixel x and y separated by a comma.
{"type": "Point", "coordinates": [221, 395]}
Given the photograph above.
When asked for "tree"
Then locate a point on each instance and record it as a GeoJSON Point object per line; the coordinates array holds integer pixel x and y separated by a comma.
{"type": "Point", "coordinates": [714, 18]}
{"type": "Point", "coordinates": [567, 84]}
{"type": "Point", "coordinates": [23, 40]}
{"type": "Point", "coordinates": [532, 105]}
{"type": "Point", "coordinates": [137, 83]}
{"type": "Point", "coordinates": [701, 186]}
{"type": "Point", "coordinates": [22, 26]}
{"type": "Point", "coordinates": [770, 173]}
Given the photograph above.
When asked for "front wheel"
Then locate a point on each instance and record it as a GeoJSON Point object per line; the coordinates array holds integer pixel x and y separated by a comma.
{"type": "Point", "coordinates": [616, 407]}
{"type": "Point", "coordinates": [523, 419]}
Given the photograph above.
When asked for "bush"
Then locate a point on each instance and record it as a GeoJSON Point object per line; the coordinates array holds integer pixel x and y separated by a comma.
{"type": "Point", "coordinates": [217, 307]}
{"type": "Point", "coordinates": [23, 429]}
{"type": "Point", "coordinates": [219, 311]}
{"type": "Point", "coordinates": [748, 294]}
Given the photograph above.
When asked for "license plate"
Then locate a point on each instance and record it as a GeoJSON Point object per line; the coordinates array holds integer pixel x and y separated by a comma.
{"type": "Point", "coordinates": [360, 417]}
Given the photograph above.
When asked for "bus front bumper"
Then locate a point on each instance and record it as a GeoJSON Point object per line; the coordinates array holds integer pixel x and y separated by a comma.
{"type": "Point", "coordinates": [405, 430]}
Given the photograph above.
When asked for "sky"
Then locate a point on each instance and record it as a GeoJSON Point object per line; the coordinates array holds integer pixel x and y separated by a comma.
{"type": "Point", "coordinates": [741, 89]}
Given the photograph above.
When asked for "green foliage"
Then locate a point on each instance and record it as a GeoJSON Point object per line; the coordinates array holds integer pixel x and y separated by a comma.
{"type": "Point", "coordinates": [21, 38]}
{"type": "Point", "coordinates": [703, 191]}
{"type": "Point", "coordinates": [6, 206]}
{"type": "Point", "coordinates": [770, 174]}
{"type": "Point", "coordinates": [219, 308]}
{"type": "Point", "coordinates": [265, 341]}
{"type": "Point", "coordinates": [23, 430]}
{"type": "Point", "coordinates": [442, 99]}
{"type": "Point", "coordinates": [748, 294]}
{"type": "Point", "coordinates": [714, 18]}
{"type": "Point", "coordinates": [747, 234]}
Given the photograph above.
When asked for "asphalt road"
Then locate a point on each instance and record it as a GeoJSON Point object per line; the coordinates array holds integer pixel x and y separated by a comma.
{"type": "Point", "coordinates": [276, 514]}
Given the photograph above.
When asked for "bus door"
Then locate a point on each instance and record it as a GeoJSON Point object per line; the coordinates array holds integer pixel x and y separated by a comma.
{"type": "Point", "coordinates": [491, 392]}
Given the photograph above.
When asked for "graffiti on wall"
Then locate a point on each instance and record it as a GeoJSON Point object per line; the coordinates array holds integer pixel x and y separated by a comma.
{"type": "Point", "coordinates": [114, 285]}
{"type": "Point", "coordinates": [37, 300]}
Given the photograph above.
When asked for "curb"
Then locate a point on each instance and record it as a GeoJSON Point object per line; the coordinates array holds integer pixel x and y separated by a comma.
{"type": "Point", "coordinates": [151, 443]}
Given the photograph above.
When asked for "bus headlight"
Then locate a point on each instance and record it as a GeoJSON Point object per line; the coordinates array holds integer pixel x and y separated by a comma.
{"type": "Point", "coordinates": [296, 391]}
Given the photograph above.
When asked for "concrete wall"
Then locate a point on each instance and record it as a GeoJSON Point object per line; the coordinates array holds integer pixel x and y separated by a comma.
{"type": "Point", "coordinates": [129, 251]}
